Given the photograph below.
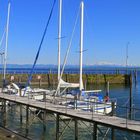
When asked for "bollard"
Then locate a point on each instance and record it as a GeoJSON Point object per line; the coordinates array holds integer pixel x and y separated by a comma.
{"type": "Point", "coordinates": [113, 108]}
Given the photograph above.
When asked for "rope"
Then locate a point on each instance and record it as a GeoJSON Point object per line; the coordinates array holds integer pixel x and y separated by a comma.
{"type": "Point", "coordinates": [38, 52]}
{"type": "Point", "coordinates": [1, 41]}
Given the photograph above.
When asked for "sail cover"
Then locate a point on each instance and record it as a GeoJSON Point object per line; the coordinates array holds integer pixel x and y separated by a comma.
{"type": "Point", "coordinates": [64, 84]}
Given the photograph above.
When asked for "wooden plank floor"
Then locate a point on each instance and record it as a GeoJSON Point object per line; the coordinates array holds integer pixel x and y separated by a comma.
{"type": "Point", "coordinates": [110, 121]}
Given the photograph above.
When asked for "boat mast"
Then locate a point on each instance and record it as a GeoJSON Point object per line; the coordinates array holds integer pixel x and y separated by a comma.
{"type": "Point", "coordinates": [81, 44]}
{"type": "Point", "coordinates": [59, 36]}
{"type": "Point", "coordinates": [6, 46]}
{"type": "Point", "coordinates": [59, 40]}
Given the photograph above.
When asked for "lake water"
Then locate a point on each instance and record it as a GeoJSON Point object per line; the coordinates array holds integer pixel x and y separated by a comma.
{"type": "Point", "coordinates": [117, 92]}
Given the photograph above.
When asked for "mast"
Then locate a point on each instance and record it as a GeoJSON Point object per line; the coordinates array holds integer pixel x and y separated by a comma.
{"type": "Point", "coordinates": [59, 36]}
{"type": "Point", "coordinates": [6, 46]}
{"type": "Point", "coordinates": [81, 44]}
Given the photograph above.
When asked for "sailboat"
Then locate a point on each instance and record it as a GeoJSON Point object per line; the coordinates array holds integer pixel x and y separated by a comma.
{"type": "Point", "coordinates": [82, 99]}
{"type": "Point", "coordinates": [13, 88]}
{"type": "Point", "coordinates": [5, 52]}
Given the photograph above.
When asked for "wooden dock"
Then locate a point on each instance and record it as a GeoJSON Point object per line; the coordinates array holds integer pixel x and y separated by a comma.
{"type": "Point", "coordinates": [109, 121]}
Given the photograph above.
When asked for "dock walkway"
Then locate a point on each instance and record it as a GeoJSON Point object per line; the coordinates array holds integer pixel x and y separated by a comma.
{"type": "Point", "coordinates": [109, 121]}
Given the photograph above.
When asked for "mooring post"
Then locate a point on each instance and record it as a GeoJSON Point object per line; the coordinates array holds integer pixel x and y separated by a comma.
{"type": "Point", "coordinates": [135, 76]}
{"type": "Point", "coordinates": [27, 119]}
{"type": "Point", "coordinates": [66, 77]}
{"type": "Point", "coordinates": [57, 126]}
{"type": "Point", "coordinates": [48, 76]}
{"type": "Point", "coordinates": [112, 133]}
{"type": "Point", "coordinates": [130, 98]}
{"type": "Point", "coordinates": [113, 108]}
{"type": "Point", "coordinates": [76, 129]}
{"type": "Point", "coordinates": [95, 131]}
{"type": "Point", "coordinates": [107, 93]}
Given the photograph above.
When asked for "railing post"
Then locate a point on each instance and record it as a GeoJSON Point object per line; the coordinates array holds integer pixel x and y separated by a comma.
{"type": "Point", "coordinates": [27, 120]}
{"type": "Point", "coordinates": [66, 105]}
{"type": "Point", "coordinates": [113, 108]}
{"type": "Point", "coordinates": [57, 126]}
{"type": "Point", "coordinates": [95, 131]}
{"type": "Point", "coordinates": [107, 93]}
{"type": "Point", "coordinates": [126, 116]}
{"type": "Point", "coordinates": [44, 121]}
{"type": "Point", "coordinates": [44, 98]}
{"type": "Point", "coordinates": [112, 133]}
{"type": "Point", "coordinates": [76, 129]}
{"type": "Point", "coordinates": [4, 113]}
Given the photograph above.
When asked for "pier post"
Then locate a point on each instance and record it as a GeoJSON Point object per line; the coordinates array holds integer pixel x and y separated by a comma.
{"type": "Point", "coordinates": [85, 84]}
{"type": "Point", "coordinates": [48, 76]}
{"type": "Point", "coordinates": [21, 114]}
{"type": "Point", "coordinates": [27, 120]}
{"type": "Point", "coordinates": [130, 98]}
{"type": "Point", "coordinates": [95, 131]}
{"type": "Point", "coordinates": [128, 81]}
{"type": "Point", "coordinates": [113, 108]}
{"type": "Point", "coordinates": [112, 133]}
{"type": "Point", "coordinates": [105, 80]}
{"type": "Point", "coordinates": [44, 121]}
{"type": "Point", "coordinates": [87, 79]}
{"type": "Point", "coordinates": [4, 113]}
{"type": "Point", "coordinates": [107, 92]}
{"type": "Point", "coordinates": [76, 129]}
{"type": "Point", "coordinates": [57, 126]}
{"type": "Point", "coordinates": [135, 77]}
{"type": "Point", "coordinates": [75, 102]}
{"type": "Point", "coordinates": [66, 77]}
{"type": "Point", "coordinates": [44, 96]}
{"type": "Point", "coordinates": [39, 81]}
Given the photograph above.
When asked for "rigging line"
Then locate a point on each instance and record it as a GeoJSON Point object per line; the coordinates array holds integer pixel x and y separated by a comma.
{"type": "Point", "coordinates": [38, 52]}
{"type": "Point", "coordinates": [1, 41]}
{"type": "Point", "coordinates": [68, 49]}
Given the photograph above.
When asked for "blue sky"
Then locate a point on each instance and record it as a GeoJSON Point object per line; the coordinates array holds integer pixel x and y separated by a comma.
{"type": "Point", "coordinates": [108, 26]}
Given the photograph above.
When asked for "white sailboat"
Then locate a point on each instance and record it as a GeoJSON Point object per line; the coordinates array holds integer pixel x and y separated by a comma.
{"type": "Point", "coordinates": [13, 88]}
{"type": "Point", "coordinates": [96, 104]}
{"type": "Point", "coordinates": [6, 47]}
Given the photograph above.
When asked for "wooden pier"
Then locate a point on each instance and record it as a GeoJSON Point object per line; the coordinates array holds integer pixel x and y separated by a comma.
{"type": "Point", "coordinates": [109, 121]}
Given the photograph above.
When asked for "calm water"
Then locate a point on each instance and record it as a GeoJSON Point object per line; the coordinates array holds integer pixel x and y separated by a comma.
{"type": "Point", "coordinates": [118, 92]}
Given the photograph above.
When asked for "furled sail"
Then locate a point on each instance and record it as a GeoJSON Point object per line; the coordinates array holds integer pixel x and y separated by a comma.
{"type": "Point", "coordinates": [64, 84]}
